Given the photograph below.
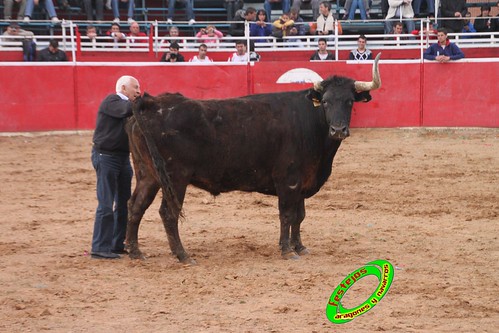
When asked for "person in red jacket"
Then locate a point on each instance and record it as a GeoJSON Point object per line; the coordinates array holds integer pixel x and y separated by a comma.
{"type": "Point", "coordinates": [134, 33]}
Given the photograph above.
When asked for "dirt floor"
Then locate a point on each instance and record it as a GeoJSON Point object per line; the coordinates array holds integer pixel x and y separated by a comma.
{"type": "Point", "coordinates": [425, 200]}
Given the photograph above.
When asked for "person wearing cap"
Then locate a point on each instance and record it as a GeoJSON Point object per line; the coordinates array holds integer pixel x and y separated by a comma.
{"type": "Point", "coordinates": [14, 33]}
{"type": "Point", "coordinates": [9, 4]}
{"type": "Point", "coordinates": [52, 53]}
{"type": "Point", "coordinates": [173, 55]}
{"type": "Point", "coordinates": [443, 50]}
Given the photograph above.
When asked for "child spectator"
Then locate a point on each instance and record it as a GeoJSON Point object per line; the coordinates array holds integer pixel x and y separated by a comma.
{"type": "Point", "coordinates": [282, 26]}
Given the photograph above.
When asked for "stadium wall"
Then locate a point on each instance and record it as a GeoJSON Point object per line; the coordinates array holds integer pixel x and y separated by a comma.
{"type": "Point", "coordinates": [45, 97]}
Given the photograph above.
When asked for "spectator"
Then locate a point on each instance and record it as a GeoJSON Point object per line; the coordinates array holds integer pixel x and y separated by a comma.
{"type": "Point", "coordinates": [443, 50]}
{"type": "Point", "coordinates": [483, 23]}
{"type": "Point", "coordinates": [201, 57]}
{"type": "Point", "coordinates": [89, 9]}
{"type": "Point", "coordinates": [136, 36]}
{"type": "Point", "coordinates": [300, 26]}
{"type": "Point", "coordinates": [241, 54]}
{"type": "Point", "coordinates": [325, 21]}
{"type": "Point", "coordinates": [188, 11]}
{"type": "Point", "coordinates": [455, 9]}
{"type": "Point", "coordinates": [399, 9]}
{"type": "Point", "coordinates": [173, 55]}
{"type": "Point", "coordinates": [92, 34]}
{"type": "Point", "coordinates": [322, 53]}
{"type": "Point", "coordinates": [52, 53]}
{"type": "Point", "coordinates": [282, 27]}
{"type": "Point", "coordinates": [115, 5]}
{"type": "Point", "coordinates": [261, 28]}
{"type": "Point", "coordinates": [13, 31]}
{"type": "Point", "coordinates": [468, 26]}
{"type": "Point", "coordinates": [430, 7]}
{"type": "Point", "coordinates": [209, 35]}
{"type": "Point", "coordinates": [49, 7]}
{"type": "Point", "coordinates": [398, 29]}
{"type": "Point", "coordinates": [361, 53]}
{"type": "Point", "coordinates": [314, 4]}
{"type": "Point", "coordinates": [116, 35]}
{"type": "Point", "coordinates": [9, 4]}
{"type": "Point", "coordinates": [232, 7]}
{"type": "Point", "coordinates": [267, 5]}
{"type": "Point", "coordinates": [237, 29]}
{"type": "Point", "coordinates": [174, 32]}
{"type": "Point", "coordinates": [495, 21]}
{"type": "Point", "coordinates": [111, 161]}
{"type": "Point", "coordinates": [352, 5]}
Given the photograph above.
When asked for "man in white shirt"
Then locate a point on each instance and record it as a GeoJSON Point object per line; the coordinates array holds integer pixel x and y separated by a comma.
{"type": "Point", "coordinates": [241, 54]}
{"type": "Point", "coordinates": [201, 57]}
{"type": "Point", "coordinates": [325, 21]}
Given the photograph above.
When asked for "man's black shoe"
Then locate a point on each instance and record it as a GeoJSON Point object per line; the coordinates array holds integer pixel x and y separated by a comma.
{"type": "Point", "coordinates": [119, 251]}
{"type": "Point", "coordinates": [105, 255]}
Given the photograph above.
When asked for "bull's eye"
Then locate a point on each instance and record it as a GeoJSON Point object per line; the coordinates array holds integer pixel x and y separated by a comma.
{"type": "Point", "coordinates": [324, 102]}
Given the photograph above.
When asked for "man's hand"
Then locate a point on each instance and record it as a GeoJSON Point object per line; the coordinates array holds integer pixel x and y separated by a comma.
{"type": "Point", "coordinates": [442, 58]}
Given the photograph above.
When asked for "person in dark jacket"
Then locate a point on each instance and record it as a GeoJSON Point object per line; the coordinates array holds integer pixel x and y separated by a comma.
{"type": "Point", "coordinates": [173, 55]}
{"type": "Point", "coordinates": [322, 53]}
{"type": "Point", "coordinates": [483, 23]}
{"type": "Point", "coordinates": [443, 50]}
{"type": "Point", "coordinates": [111, 161]}
{"type": "Point", "coordinates": [455, 9]}
{"type": "Point", "coordinates": [52, 53]}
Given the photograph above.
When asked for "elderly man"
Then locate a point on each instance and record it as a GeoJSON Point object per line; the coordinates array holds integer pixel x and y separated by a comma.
{"type": "Point", "coordinates": [111, 161]}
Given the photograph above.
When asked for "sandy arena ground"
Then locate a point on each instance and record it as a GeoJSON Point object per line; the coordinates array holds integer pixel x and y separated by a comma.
{"type": "Point", "coordinates": [426, 200]}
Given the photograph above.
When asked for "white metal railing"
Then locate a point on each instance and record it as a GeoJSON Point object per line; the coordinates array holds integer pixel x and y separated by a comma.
{"type": "Point", "coordinates": [70, 42]}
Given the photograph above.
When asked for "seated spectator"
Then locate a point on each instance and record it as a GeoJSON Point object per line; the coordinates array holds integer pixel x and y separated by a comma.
{"type": "Point", "coordinates": [117, 36]}
{"type": "Point", "coordinates": [209, 36]}
{"type": "Point", "coordinates": [430, 7]}
{"type": "Point", "coordinates": [361, 53]}
{"type": "Point", "coordinates": [115, 5]}
{"type": "Point", "coordinates": [49, 7]}
{"type": "Point", "coordinates": [396, 10]}
{"type": "Point", "coordinates": [322, 53]}
{"type": "Point", "coordinates": [9, 4]}
{"type": "Point", "coordinates": [443, 50]}
{"type": "Point", "coordinates": [267, 5]}
{"type": "Point", "coordinates": [352, 5]}
{"type": "Point", "coordinates": [201, 57]}
{"type": "Point", "coordinates": [468, 26]}
{"type": "Point", "coordinates": [232, 7]}
{"type": "Point", "coordinates": [241, 54]}
{"type": "Point", "coordinates": [483, 23]}
{"type": "Point", "coordinates": [302, 4]}
{"type": "Point", "coordinates": [52, 52]}
{"type": "Point", "coordinates": [495, 21]}
{"type": "Point", "coordinates": [173, 55]}
{"type": "Point", "coordinates": [188, 11]}
{"type": "Point", "coordinates": [98, 8]}
{"type": "Point", "coordinates": [455, 9]}
{"type": "Point", "coordinates": [261, 28]}
{"type": "Point", "coordinates": [136, 36]}
{"type": "Point", "coordinates": [282, 26]}
{"type": "Point", "coordinates": [300, 26]}
{"type": "Point", "coordinates": [325, 21]}
{"type": "Point", "coordinates": [92, 34]}
{"type": "Point", "coordinates": [237, 29]}
{"type": "Point", "coordinates": [398, 29]}
{"type": "Point", "coordinates": [14, 33]}
{"type": "Point", "coordinates": [174, 32]}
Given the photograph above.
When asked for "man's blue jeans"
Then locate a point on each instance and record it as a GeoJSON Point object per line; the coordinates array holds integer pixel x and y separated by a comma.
{"type": "Point", "coordinates": [114, 187]}
{"type": "Point", "coordinates": [268, 8]}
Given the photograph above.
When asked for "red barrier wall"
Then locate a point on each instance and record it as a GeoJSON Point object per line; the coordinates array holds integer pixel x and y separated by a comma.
{"type": "Point", "coordinates": [65, 97]}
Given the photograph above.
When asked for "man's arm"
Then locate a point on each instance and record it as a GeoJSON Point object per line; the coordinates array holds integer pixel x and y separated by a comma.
{"type": "Point", "coordinates": [429, 54]}
{"type": "Point", "coordinates": [456, 52]}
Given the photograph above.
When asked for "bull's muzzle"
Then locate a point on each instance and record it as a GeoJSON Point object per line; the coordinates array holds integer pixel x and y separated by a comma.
{"type": "Point", "coordinates": [339, 132]}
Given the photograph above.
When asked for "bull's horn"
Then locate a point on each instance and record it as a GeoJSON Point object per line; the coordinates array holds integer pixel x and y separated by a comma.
{"type": "Point", "coordinates": [375, 83]}
{"type": "Point", "coordinates": [318, 86]}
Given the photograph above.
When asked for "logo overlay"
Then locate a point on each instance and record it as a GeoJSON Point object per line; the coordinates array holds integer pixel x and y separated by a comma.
{"type": "Point", "coordinates": [382, 269]}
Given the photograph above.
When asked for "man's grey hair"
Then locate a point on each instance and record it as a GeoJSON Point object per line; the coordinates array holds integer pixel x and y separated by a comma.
{"type": "Point", "coordinates": [125, 80]}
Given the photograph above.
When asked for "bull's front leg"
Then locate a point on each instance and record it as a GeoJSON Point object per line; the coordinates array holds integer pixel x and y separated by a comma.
{"type": "Point", "coordinates": [142, 197]}
{"type": "Point", "coordinates": [296, 243]}
{"type": "Point", "coordinates": [288, 217]}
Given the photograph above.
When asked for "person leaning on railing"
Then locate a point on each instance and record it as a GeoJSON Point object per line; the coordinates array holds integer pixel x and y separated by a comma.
{"type": "Point", "coordinates": [483, 23]}
{"type": "Point", "coordinates": [443, 50]}
{"type": "Point", "coordinates": [261, 28]}
{"type": "Point", "coordinates": [14, 33]}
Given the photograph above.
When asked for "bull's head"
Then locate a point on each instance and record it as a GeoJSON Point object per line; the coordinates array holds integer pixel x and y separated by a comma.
{"type": "Point", "coordinates": [336, 96]}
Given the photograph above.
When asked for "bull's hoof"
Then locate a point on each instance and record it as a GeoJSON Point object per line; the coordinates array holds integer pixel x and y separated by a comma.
{"type": "Point", "coordinates": [188, 261]}
{"type": "Point", "coordinates": [290, 256]}
{"type": "Point", "coordinates": [136, 254]}
{"type": "Point", "coordinates": [303, 251]}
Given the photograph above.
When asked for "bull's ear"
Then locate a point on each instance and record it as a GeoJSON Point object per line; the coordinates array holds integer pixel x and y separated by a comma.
{"type": "Point", "coordinates": [362, 96]}
{"type": "Point", "coordinates": [314, 96]}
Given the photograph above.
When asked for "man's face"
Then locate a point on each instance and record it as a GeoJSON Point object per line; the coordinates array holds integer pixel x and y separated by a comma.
{"type": "Point", "coordinates": [251, 17]}
{"type": "Point", "coordinates": [52, 49]}
{"type": "Point", "coordinates": [174, 33]}
{"type": "Point", "coordinates": [115, 28]}
{"type": "Point", "coordinates": [361, 44]}
{"type": "Point", "coordinates": [324, 10]}
{"type": "Point", "coordinates": [398, 29]}
{"type": "Point", "coordinates": [442, 38]}
{"type": "Point", "coordinates": [293, 16]}
{"type": "Point", "coordinates": [241, 49]}
{"type": "Point", "coordinates": [12, 30]}
{"type": "Point", "coordinates": [202, 52]}
{"type": "Point", "coordinates": [91, 32]}
{"type": "Point", "coordinates": [173, 50]}
{"type": "Point", "coordinates": [322, 45]}
{"type": "Point", "coordinates": [131, 90]}
{"type": "Point", "coordinates": [134, 28]}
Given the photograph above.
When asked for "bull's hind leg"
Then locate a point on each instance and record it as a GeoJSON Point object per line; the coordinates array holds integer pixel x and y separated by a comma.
{"type": "Point", "coordinates": [296, 243]}
{"type": "Point", "coordinates": [141, 199]}
{"type": "Point", "coordinates": [170, 222]}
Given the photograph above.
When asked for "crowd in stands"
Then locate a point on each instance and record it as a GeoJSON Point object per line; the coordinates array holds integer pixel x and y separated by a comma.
{"type": "Point", "coordinates": [287, 27]}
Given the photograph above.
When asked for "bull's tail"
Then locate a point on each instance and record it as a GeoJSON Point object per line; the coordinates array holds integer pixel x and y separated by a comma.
{"type": "Point", "coordinates": [174, 207]}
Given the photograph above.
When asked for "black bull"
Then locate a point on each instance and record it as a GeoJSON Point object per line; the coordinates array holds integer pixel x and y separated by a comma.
{"type": "Point", "coordinates": [279, 144]}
